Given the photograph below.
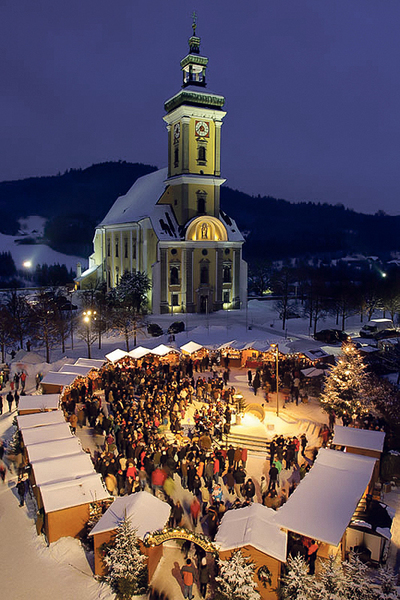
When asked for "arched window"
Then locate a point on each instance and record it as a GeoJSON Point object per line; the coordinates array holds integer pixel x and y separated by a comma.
{"type": "Point", "coordinates": [227, 274]}
{"type": "Point", "coordinates": [201, 157]}
{"type": "Point", "coordinates": [176, 157]}
{"type": "Point", "coordinates": [201, 205]}
{"type": "Point", "coordinates": [126, 248]}
{"type": "Point", "coordinates": [108, 248]}
{"type": "Point", "coordinates": [174, 276]}
{"type": "Point", "coordinates": [204, 274]}
{"type": "Point", "coordinates": [116, 249]}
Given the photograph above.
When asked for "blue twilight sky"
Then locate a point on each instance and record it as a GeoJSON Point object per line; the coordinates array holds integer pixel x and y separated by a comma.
{"type": "Point", "coordinates": [312, 90]}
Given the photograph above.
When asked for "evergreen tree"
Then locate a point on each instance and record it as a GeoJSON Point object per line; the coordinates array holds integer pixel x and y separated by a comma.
{"type": "Point", "coordinates": [358, 585]}
{"type": "Point", "coordinates": [387, 581]}
{"type": "Point", "coordinates": [297, 584]}
{"type": "Point", "coordinates": [331, 584]}
{"type": "Point", "coordinates": [344, 390]}
{"type": "Point", "coordinates": [127, 570]}
{"type": "Point", "coordinates": [236, 579]}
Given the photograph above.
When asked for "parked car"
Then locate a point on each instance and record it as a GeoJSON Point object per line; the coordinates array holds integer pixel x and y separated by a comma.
{"type": "Point", "coordinates": [154, 330]}
{"type": "Point", "coordinates": [375, 326]}
{"type": "Point", "coordinates": [176, 327]}
{"type": "Point", "coordinates": [386, 333]}
{"type": "Point", "coordinates": [331, 336]}
{"type": "Point", "coordinates": [290, 314]}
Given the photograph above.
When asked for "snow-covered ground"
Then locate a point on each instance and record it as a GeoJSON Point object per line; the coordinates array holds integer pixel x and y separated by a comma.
{"type": "Point", "coordinates": [35, 254]}
{"type": "Point", "coordinates": [30, 569]}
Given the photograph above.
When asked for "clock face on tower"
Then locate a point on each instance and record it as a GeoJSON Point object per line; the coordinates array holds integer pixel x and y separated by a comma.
{"type": "Point", "coordinates": [202, 128]}
{"type": "Point", "coordinates": [177, 131]}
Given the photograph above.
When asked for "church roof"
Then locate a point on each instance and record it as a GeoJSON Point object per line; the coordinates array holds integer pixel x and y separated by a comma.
{"type": "Point", "coordinates": [140, 202]}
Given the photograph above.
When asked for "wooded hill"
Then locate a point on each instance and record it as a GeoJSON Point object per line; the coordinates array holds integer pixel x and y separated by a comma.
{"type": "Point", "coordinates": [75, 201]}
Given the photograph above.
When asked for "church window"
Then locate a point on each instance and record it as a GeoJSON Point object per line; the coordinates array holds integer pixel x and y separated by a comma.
{"type": "Point", "coordinates": [227, 274]}
{"type": "Point", "coordinates": [126, 248]}
{"type": "Point", "coordinates": [117, 275]}
{"type": "Point", "coordinates": [174, 276]}
{"type": "Point", "coordinates": [226, 298]}
{"type": "Point", "coordinates": [108, 248]}
{"type": "Point", "coordinates": [134, 250]}
{"type": "Point", "coordinates": [201, 204]}
{"type": "Point", "coordinates": [109, 278]}
{"type": "Point", "coordinates": [116, 249]}
{"type": "Point", "coordinates": [175, 299]}
{"type": "Point", "coordinates": [176, 157]}
{"type": "Point", "coordinates": [201, 157]}
{"type": "Point", "coordinates": [204, 274]}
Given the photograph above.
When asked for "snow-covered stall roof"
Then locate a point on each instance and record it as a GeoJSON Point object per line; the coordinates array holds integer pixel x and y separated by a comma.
{"type": "Point", "coordinates": [40, 419]}
{"type": "Point", "coordinates": [258, 345]}
{"type": "Point", "coordinates": [232, 344]}
{"type": "Point", "coordinates": [95, 363]}
{"type": "Point", "coordinates": [253, 526]}
{"type": "Point", "coordinates": [116, 355]}
{"type": "Point", "coordinates": [139, 352]}
{"type": "Point", "coordinates": [66, 494]}
{"type": "Point", "coordinates": [324, 502]}
{"type": "Point", "coordinates": [38, 435]}
{"type": "Point", "coordinates": [76, 369]}
{"type": "Point", "coordinates": [163, 350]}
{"type": "Point", "coordinates": [62, 468]}
{"type": "Point", "coordinates": [146, 513]}
{"type": "Point", "coordinates": [41, 402]}
{"type": "Point", "coordinates": [191, 347]}
{"type": "Point", "coordinates": [57, 378]}
{"type": "Point", "coordinates": [364, 439]}
{"type": "Point", "coordinates": [54, 449]}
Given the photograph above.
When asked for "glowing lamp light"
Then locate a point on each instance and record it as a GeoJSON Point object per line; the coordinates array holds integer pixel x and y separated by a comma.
{"type": "Point", "coordinates": [27, 264]}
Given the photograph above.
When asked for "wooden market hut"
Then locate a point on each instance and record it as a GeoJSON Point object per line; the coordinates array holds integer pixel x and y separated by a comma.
{"type": "Point", "coordinates": [232, 351]}
{"type": "Point", "coordinates": [194, 350]}
{"type": "Point", "coordinates": [139, 352]}
{"type": "Point", "coordinates": [146, 513]}
{"type": "Point", "coordinates": [117, 355]}
{"type": "Point", "coordinates": [47, 433]}
{"type": "Point", "coordinates": [54, 382]}
{"type": "Point", "coordinates": [39, 403]}
{"type": "Point", "coordinates": [40, 419]}
{"type": "Point", "coordinates": [253, 352]}
{"type": "Point", "coordinates": [66, 505]}
{"type": "Point", "coordinates": [253, 530]}
{"type": "Point", "coordinates": [324, 503]}
{"type": "Point", "coordinates": [53, 449]}
{"type": "Point", "coordinates": [166, 354]}
{"type": "Point", "coordinates": [95, 363]}
{"type": "Point", "coordinates": [62, 468]}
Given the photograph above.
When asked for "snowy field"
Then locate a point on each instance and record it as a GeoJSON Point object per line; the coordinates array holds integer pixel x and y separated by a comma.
{"type": "Point", "coordinates": [30, 569]}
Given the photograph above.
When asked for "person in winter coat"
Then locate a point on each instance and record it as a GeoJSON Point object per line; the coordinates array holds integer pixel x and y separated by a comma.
{"type": "Point", "coordinates": [21, 491]}
{"type": "Point", "coordinates": [188, 573]}
{"type": "Point", "coordinates": [10, 400]}
{"type": "Point", "coordinates": [273, 477]}
{"type": "Point", "coordinates": [240, 477]}
{"type": "Point", "coordinates": [249, 489]}
{"type": "Point", "coordinates": [177, 513]}
{"type": "Point", "coordinates": [73, 422]}
{"type": "Point", "coordinates": [230, 480]}
{"type": "Point", "coordinates": [195, 510]}
{"type": "Point", "coordinates": [204, 576]}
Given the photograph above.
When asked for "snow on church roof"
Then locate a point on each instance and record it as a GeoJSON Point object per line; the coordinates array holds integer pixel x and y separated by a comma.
{"type": "Point", "coordinates": [140, 202]}
{"type": "Point", "coordinates": [146, 513]}
{"type": "Point", "coordinates": [323, 504]}
{"type": "Point", "coordinates": [253, 526]}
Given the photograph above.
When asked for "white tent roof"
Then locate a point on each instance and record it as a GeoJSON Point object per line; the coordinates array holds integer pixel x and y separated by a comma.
{"type": "Point", "coordinates": [146, 513]}
{"type": "Point", "coordinates": [364, 439]}
{"type": "Point", "coordinates": [38, 435]}
{"type": "Point", "coordinates": [76, 369]}
{"type": "Point", "coordinates": [56, 378]}
{"type": "Point", "coordinates": [40, 419]}
{"type": "Point", "coordinates": [163, 350]}
{"type": "Point", "coordinates": [253, 526]}
{"type": "Point", "coordinates": [41, 402]}
{"type": "Point", "coordinates": [191, 347]}
{"type": "Point", "coordinates": [54, 449]}
{"type": "Point", "coordinates": [116, 355]}
{"type": "Point", "coordinates": [95, 363]}
{"type": "Point", "coordinates": [323, 504]}
{"type": "Point", "coordinates": [232, 344]}
{"type": "Point", "coordinates": [258, 345]}
{"type": "Point", "coordinates": [139, 352]}
{"type": "Point", "coordinates": [66, 494]}
{"type": "Point", "coordinates": [62, 468]}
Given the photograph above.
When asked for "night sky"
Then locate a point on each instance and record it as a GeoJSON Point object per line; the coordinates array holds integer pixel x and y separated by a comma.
{"type": "Point", "coordinates": [312, 90]}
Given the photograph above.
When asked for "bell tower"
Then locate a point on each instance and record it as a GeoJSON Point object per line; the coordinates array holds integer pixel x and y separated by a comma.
{"type": "Point", "coordinates": [194, 119]}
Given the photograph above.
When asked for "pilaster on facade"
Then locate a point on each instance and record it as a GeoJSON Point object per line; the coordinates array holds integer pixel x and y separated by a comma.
{"type": "Point", "coordinates": [218, 125]}
{"type": "Point", "coordinates": [190, 307]}
{"type": "Point", "coordinates": [185, 144]}
{"type": "Point", "coordinates": [164, 306]}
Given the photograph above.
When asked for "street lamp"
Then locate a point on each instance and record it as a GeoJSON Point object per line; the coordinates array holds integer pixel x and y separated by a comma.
{"type": "Point", "coordinates": [276, 348]}
{"type": "Point", "coordinates": [88, 315]}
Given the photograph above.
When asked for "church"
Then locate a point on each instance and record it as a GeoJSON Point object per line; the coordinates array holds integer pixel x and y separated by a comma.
{"type": "Point", "coordinates": [170, 224]}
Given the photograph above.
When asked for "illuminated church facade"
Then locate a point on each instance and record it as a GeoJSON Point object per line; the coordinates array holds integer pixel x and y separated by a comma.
{"type": "Point", "coordinates": [170, 224]}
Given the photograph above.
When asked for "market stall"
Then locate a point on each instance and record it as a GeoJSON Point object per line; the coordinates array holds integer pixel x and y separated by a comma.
{"type": "Point", "coordinates": [254, 531]}
{"type": "Point", "coordinates": [166, 354]}
{"type": "Point", "coordinates": [95, 363]}
{"type": "Point", "coordinates": [62, 468]}
{"type": "Point", "coordinates": [323, 504]}
{"type": "Point", "coordinates": [40, 419]}
{"type": "Point", "coordinates": [145, 512]}
{"type": "Point", "coordinates": [38, 403]}
{"type": "Point", "coordinates": [231, 351]}
{"type": "Point", "coordinates": [38, 435]}
{"type": "Point", "coordinates": [252, 354]}
{"type": "Point", "coordinates": [117, 355]}
{"type": "Point", "coordinates": [66, 505]}
{"type": "Point", "coordinates": [55, 382]}
{"type": "Point", "coordinates": [194, 350]}
{"type": "Point", "coordinates": [53, 449]}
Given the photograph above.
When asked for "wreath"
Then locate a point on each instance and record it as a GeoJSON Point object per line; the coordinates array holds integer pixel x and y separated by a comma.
{"type": "Point", "coordinates": [264, 575]}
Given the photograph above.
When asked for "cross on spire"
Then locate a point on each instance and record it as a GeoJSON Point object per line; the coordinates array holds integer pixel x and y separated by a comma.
{"type": "Point", "coordinates": [194, 22]}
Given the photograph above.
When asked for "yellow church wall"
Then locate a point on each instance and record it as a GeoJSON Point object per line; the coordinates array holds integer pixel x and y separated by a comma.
{"type": "Point", "coordinates": [209, 168]}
